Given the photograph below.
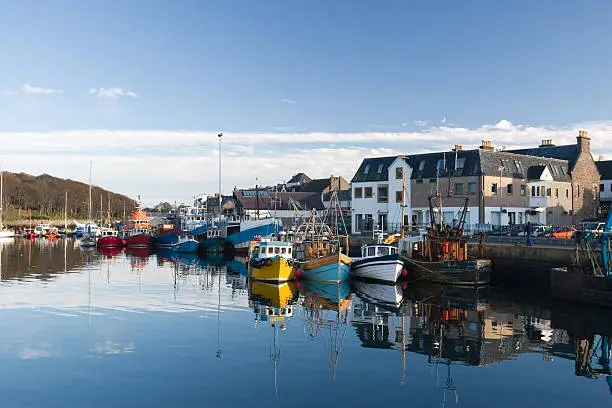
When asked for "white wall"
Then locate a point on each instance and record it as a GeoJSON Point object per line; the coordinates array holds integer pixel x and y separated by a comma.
{"type": "Point", "coordinates": [365, 206]}
{"type": "Point", "coordinates": [606, 194]}
{"type": "Point", "coordinates": [394, 220]}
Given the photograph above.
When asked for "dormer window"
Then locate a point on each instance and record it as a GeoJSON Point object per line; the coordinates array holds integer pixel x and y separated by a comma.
{"type": "Point", "coordinates": [380, 168]}
{"type": "Point", "coordinates": [441, 164]}
{"type": "Point", "coordinates": [422, 165]}
{"type": "Point", "coordinates": [460, 162]}
{"type": "Point", "coordinates": [366, 170]}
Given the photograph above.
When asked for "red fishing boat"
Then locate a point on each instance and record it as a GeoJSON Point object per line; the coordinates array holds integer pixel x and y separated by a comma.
{"type": "Point", "coordinates": [137, 230]}
{"type": "Point", "coordinates": [110, 236]}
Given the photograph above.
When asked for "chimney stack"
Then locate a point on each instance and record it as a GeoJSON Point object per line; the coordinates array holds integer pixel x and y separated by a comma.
{"type": "Point", "coordinates": [487, 145]}
{"type": "Point", "coordinates": [458, 148]}
{"type": "Point", "coordinates": [583, 141]}
{"type": "Point", "coordinates": [546, 143]}
{"type": "Point", "coordinates": [600, 158]}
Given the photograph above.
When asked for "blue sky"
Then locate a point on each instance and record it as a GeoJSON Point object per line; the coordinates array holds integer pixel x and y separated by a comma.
{"type": "Point", "coordinates": [278, 66]}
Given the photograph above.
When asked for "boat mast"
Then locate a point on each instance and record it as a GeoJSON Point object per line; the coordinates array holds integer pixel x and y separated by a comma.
{"type": "Point", "coordinates": [66, 211]}
{"type": "Point", "coordinates": [403, 201]}
{"type": "Point", "coordinates": [256, 200]}
{"type": "Point", "coordinates": [220, 135]}
{"type": "Point", "coordinates": [1, 194]}
{"type": "Point", "coordinates": [101, 212]}
{"type": "Point", "coordinates": [89, 211]}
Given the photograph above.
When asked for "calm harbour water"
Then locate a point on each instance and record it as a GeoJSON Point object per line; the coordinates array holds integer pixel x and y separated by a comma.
{"type": "Point", "coordinates": [110, 330]}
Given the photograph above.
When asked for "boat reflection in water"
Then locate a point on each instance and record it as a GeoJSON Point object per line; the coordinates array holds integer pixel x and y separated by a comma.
{"type": "Point", "coordinates": [326, 307]}
{"type": "Point", "coordinates": [273, 304]}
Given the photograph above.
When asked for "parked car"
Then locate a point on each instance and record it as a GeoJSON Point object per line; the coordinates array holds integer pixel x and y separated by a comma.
{"type": "Point", "coordinates": [537, 231]}
{"type": "Point", "coordinates": [564, 232]}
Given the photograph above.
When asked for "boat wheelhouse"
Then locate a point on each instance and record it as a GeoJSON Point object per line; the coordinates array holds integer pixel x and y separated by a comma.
{"type": "Point", "coordinates": [271, 261]}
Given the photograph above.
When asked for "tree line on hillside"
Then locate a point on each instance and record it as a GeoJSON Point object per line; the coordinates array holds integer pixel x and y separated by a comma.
{"type": "Point", "coordinates": [45, 195]}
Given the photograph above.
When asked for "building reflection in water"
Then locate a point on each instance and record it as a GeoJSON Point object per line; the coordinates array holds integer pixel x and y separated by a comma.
{"type": "Point", "coordinates": [447, 325]}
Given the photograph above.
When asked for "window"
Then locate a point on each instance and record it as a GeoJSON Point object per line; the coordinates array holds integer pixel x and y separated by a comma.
{"type": "Point", "coordinates": [289, 250]}
{"type": "Point", "coordinates": [371, 251]}
{"type": "Point", "coordinates": [399, 172]}
{"type": "Point", "coordinates": [566, 191]}
{"type": "Point", "coordinates": [283, 250]}
{"type": "Point", "coordinates": [460, 162]}
{"type": "Point", "coordinates": [380, 168]}
{"type": "Point", "coordinates": [383, 194]}
{"type": "Point", "coordinates": [537, 191]}
{"type": "Point", "coordinates": [432, 180]}
{"type": "Point", "coordinates": [556, 193]}
{"type": "Point", "coordinates": [549, 192]}
{"type": "Point", "coordinates": [382, 221]}
{"type": "Point", "coordinates": [367, 192]}
{"type": "Point", "coordinates": [358, 192]}
{"type": "Point", "coordinates": [458, 188]}
{"type": "Point", "coordinates": [421, 165]}
{"type": "Point", "coordinates": [533, 191]}
{"type": "Point", "coordinates": [366, 170]}
{"type": "Point", "coordinates": [399, 197]}
{"type": "Point", "coordinates": [472, 188]}
{"type": "Point", "coordinates": [359, 222]}
{"type": "Point", "coordinates": [494, 188]}
{"type": "Point", "coordinates": [509, 190]}
{"type": "Point", "coordinates": [419, 181]}
{"type": "Point", "coordinates": [523, 190]}
{"type": "Point", "coordinates": [602, 188]}
{"type": "Point", "coordinates": [578, 191]}
{"type": "Point", "coordinates": [441, 164]}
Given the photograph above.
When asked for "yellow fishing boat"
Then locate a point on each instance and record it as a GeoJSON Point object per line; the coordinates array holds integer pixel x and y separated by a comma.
{"type": "Point", "coordinates": [271, 261]}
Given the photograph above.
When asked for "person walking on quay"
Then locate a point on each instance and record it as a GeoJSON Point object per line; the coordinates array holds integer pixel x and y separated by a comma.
{"type": "Point", "coordinates": [528, 232]}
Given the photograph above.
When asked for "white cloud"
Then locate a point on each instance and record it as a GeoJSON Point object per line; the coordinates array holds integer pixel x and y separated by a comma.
{"type": "Point", "coordinates": [31, 89]}
{"type": "Point", "coordinates": [289, 101]}
{"type": "Point", "coordinates": [175, 165]}
{"type": "Point", "coordinates": [420, 123]}
{"type": "Point", "coordinates": [112, 93]}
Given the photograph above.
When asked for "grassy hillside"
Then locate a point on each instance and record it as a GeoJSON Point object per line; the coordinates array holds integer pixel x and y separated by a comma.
{"type": "Point", "coordinates": [44, 197]}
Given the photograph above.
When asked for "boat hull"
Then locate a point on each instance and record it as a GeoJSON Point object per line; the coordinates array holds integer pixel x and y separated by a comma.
{"type": "Point", "coordinates": [331, 268]}
{"type": "Point", "coordinates": [240, 241]}
{"type": "Point", "coordinates": [167, 239]}
{"type": "Point", "coordinates": [214, 245]}
{"type": "Point", "coordinates": [577, 286]}
{"type": "Point", "coordinates": [190, 246]}
{"type": "Point", "coordinates": [7, 234]}
{"type": "Point", "coordinates": [87, 242]}
{"type": "Point", "coordinates": [111, 241]}
{"type": "Point", "coordinates": [271, 270]}
{"type": "Point", "coordinates": [476, 272]}
{"type": "Point", "coordinates": [382, 294]}
{"type": "Point", "coordinates": [386, 268]}
{"type": "Point", "coordinates": [139, 241]}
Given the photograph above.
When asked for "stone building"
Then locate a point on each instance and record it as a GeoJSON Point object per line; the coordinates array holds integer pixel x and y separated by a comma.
{"type": "Point", "coordinates": [583, 171]}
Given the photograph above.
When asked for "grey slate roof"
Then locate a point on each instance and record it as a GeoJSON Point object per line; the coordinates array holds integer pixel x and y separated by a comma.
{"type": "Point", "coordinates": [519, 165]}
{"type": "Point", "coordinates": [566, 152]}
{"type": "Point", "coordinates": [316, 185]}
{"type": "Point", "coordinates": [373, 164]}
{"type": "Point", "coordinates": [248, 200]}
{"type": "Point", "coordinates": [300, 178]}
{"type": "Point", "coordinates": [605, 169]}
{"type": "Point", "coordinates": [470, 163]}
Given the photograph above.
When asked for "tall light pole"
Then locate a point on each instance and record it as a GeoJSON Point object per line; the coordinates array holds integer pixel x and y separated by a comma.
{"type": "Point", "coordinates": [220, 135]}
{"type": "Point", "coordinates": [499, 191]}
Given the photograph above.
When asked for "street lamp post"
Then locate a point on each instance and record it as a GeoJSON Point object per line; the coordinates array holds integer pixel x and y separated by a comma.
{"type": "Point", "coordinates": [499, 191]}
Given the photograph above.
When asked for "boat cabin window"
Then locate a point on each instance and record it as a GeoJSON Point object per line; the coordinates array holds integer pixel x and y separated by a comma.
{"type": "Point", "coordinates": [255, 253]}
{"type": "Point", "coordinates": [277, 250]}
{"type": "Point", "coordinates": [382, 251]}
{"type": "Point", "coordinates": [289, 250]}
{"type": "Point", "coordinates": [283, 250]}
{"type": "Point", "coordinates": [371, 251]}
{"type": "Point", "coordinates": [270, 250]}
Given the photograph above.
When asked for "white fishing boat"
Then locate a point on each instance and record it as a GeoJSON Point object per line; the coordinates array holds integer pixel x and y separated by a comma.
{"type": "Point", "coordinates": [89, 237]}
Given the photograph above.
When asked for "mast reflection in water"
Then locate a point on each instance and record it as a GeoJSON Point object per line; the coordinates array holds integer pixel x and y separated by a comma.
{"type": "Point", "coordinates": [164, 329]}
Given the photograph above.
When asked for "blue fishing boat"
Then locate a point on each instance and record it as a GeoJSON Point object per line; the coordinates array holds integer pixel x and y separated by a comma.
{"type": "Point", "coordinates": [333, 292]}
{"type": "Point", "coordinates": [166, 236]}
{"type": "Point", "coordinates": [186, 245]}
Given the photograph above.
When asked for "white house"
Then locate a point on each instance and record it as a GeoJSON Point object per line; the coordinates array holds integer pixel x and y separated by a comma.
{"type": "Point", "coordinates": [605, 185]}
{"type": "Point", "coordinates": [379, 192]}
